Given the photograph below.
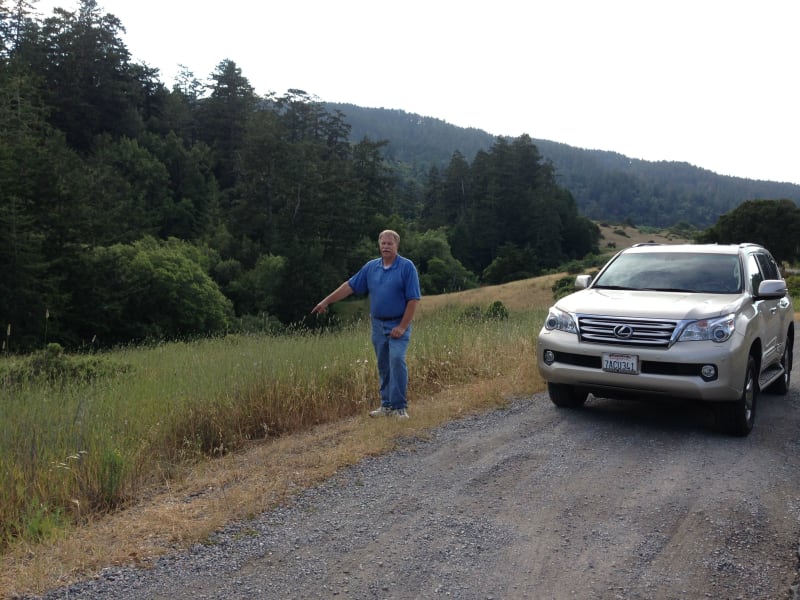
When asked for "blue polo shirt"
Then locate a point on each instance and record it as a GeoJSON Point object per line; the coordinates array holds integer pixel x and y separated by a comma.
{"type": "Point", "coordinates": [389, 289]}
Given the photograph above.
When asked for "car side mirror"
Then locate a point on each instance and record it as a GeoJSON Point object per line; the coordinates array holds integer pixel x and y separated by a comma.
{"type": "Point", "coordinates": [772, 288]}
{"type": "Point", "coordinates": [582, 282]}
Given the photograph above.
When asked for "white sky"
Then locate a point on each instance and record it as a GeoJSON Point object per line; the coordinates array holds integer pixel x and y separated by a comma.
{"type": "Point", "coordinates": [710, 82]}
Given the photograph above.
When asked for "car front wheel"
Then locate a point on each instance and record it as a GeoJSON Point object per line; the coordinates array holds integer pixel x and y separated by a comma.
{"type": "Point", "coordinates": [566, 396]}
{"type": "Point", "coordinates": [738, 417]}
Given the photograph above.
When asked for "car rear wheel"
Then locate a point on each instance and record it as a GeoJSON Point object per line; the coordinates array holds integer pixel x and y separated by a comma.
{"type": "Point", "coordinates": [781, 386]}
{"type": "Point", "coordinates": [737, 417]}
{"type": "Point", "coordinates": [566, 396]}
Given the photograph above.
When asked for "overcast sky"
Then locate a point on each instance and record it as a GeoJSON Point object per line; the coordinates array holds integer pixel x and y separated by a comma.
{"type": "Point", "coordinates": [709, 82]}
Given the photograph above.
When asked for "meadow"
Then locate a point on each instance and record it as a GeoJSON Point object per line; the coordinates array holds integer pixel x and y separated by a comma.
{"type": "Point", "coordinates": [78, 453]}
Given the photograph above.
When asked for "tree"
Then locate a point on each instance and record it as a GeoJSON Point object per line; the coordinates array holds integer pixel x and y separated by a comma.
{"type": "Point", "coordinates": [35, 166]}
{"type": "Point", "coordinates": [127, 193]}
{"type": "Point", "coordinates": [447, 196]}
{"type": "Point", "coordinates": [440, 272]}
{"type": "Point", "coordinates": [772, 223]}
{"type": "Point", "coordinates": [223, 119]}
{"type": "Point", "coordinates": [148, 289]}
{"type": "Point", "coordinates": [509, 198]}
{"type": "Point", "coordinates": [87, 75]}
{"type": "Point", "coordinates": [256, 291]}
{"type": "Point", "coordinates": [511, 263]}
{"type": "Point", "coordinates": [191, 210]}
{"type": "Point", "coordinates": [18, 31]}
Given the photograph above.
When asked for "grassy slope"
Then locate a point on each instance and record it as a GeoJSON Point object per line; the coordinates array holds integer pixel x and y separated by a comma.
{"type": "Point", "coordinates": [187, 508]}
{"type": "Point", "coordinates": [237, 486]}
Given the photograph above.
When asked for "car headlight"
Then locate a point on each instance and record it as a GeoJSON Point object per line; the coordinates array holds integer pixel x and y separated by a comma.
{"type": "Point", "coordinates": [717, 330]}
{"type": "Point", "coordinates": [560, 320]}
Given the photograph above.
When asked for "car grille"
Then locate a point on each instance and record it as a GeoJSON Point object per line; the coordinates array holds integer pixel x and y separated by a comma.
{"type": "Point", "coordinates": [626, 331]}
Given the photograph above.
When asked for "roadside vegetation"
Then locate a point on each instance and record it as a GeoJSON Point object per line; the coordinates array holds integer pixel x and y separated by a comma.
{"type": "Point", "coordinates": [88, 441]}
{"type": "Point", "coordinates": [76, 446]}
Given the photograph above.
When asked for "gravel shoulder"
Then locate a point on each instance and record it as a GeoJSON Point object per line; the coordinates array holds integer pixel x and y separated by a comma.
{"type": "Point", "coordinates": [618, 500]}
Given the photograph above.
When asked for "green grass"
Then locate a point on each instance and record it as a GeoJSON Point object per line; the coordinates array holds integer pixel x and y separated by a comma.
{"type": "Point", "coordinates": [72, 447]}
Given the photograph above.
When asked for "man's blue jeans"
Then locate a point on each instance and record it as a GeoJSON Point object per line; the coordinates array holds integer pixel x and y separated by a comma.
{"type": "Point", "coordinates": [392, 369]}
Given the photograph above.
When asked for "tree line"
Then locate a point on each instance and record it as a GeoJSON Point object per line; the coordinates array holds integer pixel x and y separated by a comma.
{"type": "Point", "coordinates": [607, 186]}
{"type": "Point", "coordinates": [131, 212]}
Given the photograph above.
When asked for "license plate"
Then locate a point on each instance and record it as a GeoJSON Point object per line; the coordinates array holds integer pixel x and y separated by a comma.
{"type": "Point", "coordinates": [621, 363]}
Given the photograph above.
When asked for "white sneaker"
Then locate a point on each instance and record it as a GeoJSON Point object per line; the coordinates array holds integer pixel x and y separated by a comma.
{"type": "Point", "coordinates": [401, 413]}
{"type": "Point", "coordinates": [383, 411]}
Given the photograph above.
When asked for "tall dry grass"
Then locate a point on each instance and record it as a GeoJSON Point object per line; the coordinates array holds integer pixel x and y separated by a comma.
{"type": "Point", "coordinates": [71, 450]}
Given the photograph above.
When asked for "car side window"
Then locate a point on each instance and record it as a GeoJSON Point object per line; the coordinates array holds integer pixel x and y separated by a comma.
{"type": "Point", "coordinates": [754, 272]}
{"type": "Point", "coordinates": [767, 265]}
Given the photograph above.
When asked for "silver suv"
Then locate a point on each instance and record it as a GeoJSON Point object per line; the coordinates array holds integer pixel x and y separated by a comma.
{"type": "Point", "coordinates": [705, 322]}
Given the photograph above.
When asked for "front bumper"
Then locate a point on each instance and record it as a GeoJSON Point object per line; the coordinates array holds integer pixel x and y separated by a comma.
{"type": "Point", "coordinates": [672, 372]}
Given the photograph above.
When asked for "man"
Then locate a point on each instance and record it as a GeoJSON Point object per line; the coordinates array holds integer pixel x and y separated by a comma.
{"type": "Point", "coordinates": [392, 283]}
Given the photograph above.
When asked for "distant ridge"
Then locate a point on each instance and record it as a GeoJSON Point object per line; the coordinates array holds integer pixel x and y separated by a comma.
{"type": "Point", "coordinates": [606, 185]}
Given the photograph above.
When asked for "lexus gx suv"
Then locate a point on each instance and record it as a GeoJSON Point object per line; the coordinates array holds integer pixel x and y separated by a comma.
{"type": "Point", "coordinates": [712, 323]}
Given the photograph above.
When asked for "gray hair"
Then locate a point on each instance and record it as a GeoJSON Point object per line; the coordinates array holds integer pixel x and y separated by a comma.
{"type": "Point", "coordinates": [392, 233]}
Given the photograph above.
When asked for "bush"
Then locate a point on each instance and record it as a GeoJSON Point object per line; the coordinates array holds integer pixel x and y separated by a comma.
{"type": "Point", "coordinates": [511, 264]}
{"type": "Point", "coordinates": [148, 290]}
{"type": "Point", "coordinates": [793, 283]}
{"type": "Point", "coordinates": [574, 267]}
{"type": "Point", "coordinates": [497, 311]}
{"type": "Point", "coordinates": [53, 365]}
{"type": "Point", "coordinates": [563, 287]}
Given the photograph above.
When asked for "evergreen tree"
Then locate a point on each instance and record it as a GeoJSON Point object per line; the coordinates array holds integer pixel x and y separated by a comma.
{"type": "Point", "coordinates": [87, 76]}
{"type": "Point", "coordinates": [223, 119]}
{"type": "Point", "coordinates": [448, 196]}
{"type": "Point", "coordinates": [191, 211]}
{"type": "Point", "coordinates": [506, 206]}
{"type": "Point", "coordinates": [35, 167]}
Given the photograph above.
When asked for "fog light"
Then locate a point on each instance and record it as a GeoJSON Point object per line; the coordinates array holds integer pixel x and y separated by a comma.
{"type": "Point", "coordinates": [708, 372]}
{"type": "Point", "coordinates": [549, 357]}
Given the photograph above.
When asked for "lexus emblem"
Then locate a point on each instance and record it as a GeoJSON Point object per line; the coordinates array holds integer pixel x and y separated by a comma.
{"type": "Point", "coordinates": [623, 332]}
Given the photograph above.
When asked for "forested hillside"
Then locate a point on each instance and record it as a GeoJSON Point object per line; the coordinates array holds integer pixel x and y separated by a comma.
{"type": "Point", "coordinates": [606, 185]}
{"type": "Point", "coordinates": [133, 212]}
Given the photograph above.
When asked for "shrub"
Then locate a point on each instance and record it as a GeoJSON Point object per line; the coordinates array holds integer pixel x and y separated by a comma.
{"type": "Point", "coordinates": [574, 267]}
{"type": "Point", "coordinates": [511, 264]}
{"type": "Point", "coordinates": [53, 365]}
{"type": "Point", "coordinates": [496, 312]}
{"type": "Point", "coordinates": [563, 287]}
{"type": "Point", "coordinates": [793, 283]}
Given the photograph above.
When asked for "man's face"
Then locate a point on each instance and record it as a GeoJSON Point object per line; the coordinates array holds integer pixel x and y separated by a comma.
{"type": "Point", "coordinates": [388, 247]}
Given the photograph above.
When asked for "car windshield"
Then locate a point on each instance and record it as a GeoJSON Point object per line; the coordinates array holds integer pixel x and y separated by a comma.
{"type": "Point", "coordinates": [673, 272]}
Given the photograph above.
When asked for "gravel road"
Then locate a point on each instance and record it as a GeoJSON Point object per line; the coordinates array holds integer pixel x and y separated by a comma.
{"type": "Point", "coordinates": [617, 500]}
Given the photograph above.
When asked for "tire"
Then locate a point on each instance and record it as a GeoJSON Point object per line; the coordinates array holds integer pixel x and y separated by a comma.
{"type": "Point", "coordinates": [781, 386]}
{"type": "Point", "coordinates": [566, 396]}
{"type": "Point", "coordinates": [738, 417]}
